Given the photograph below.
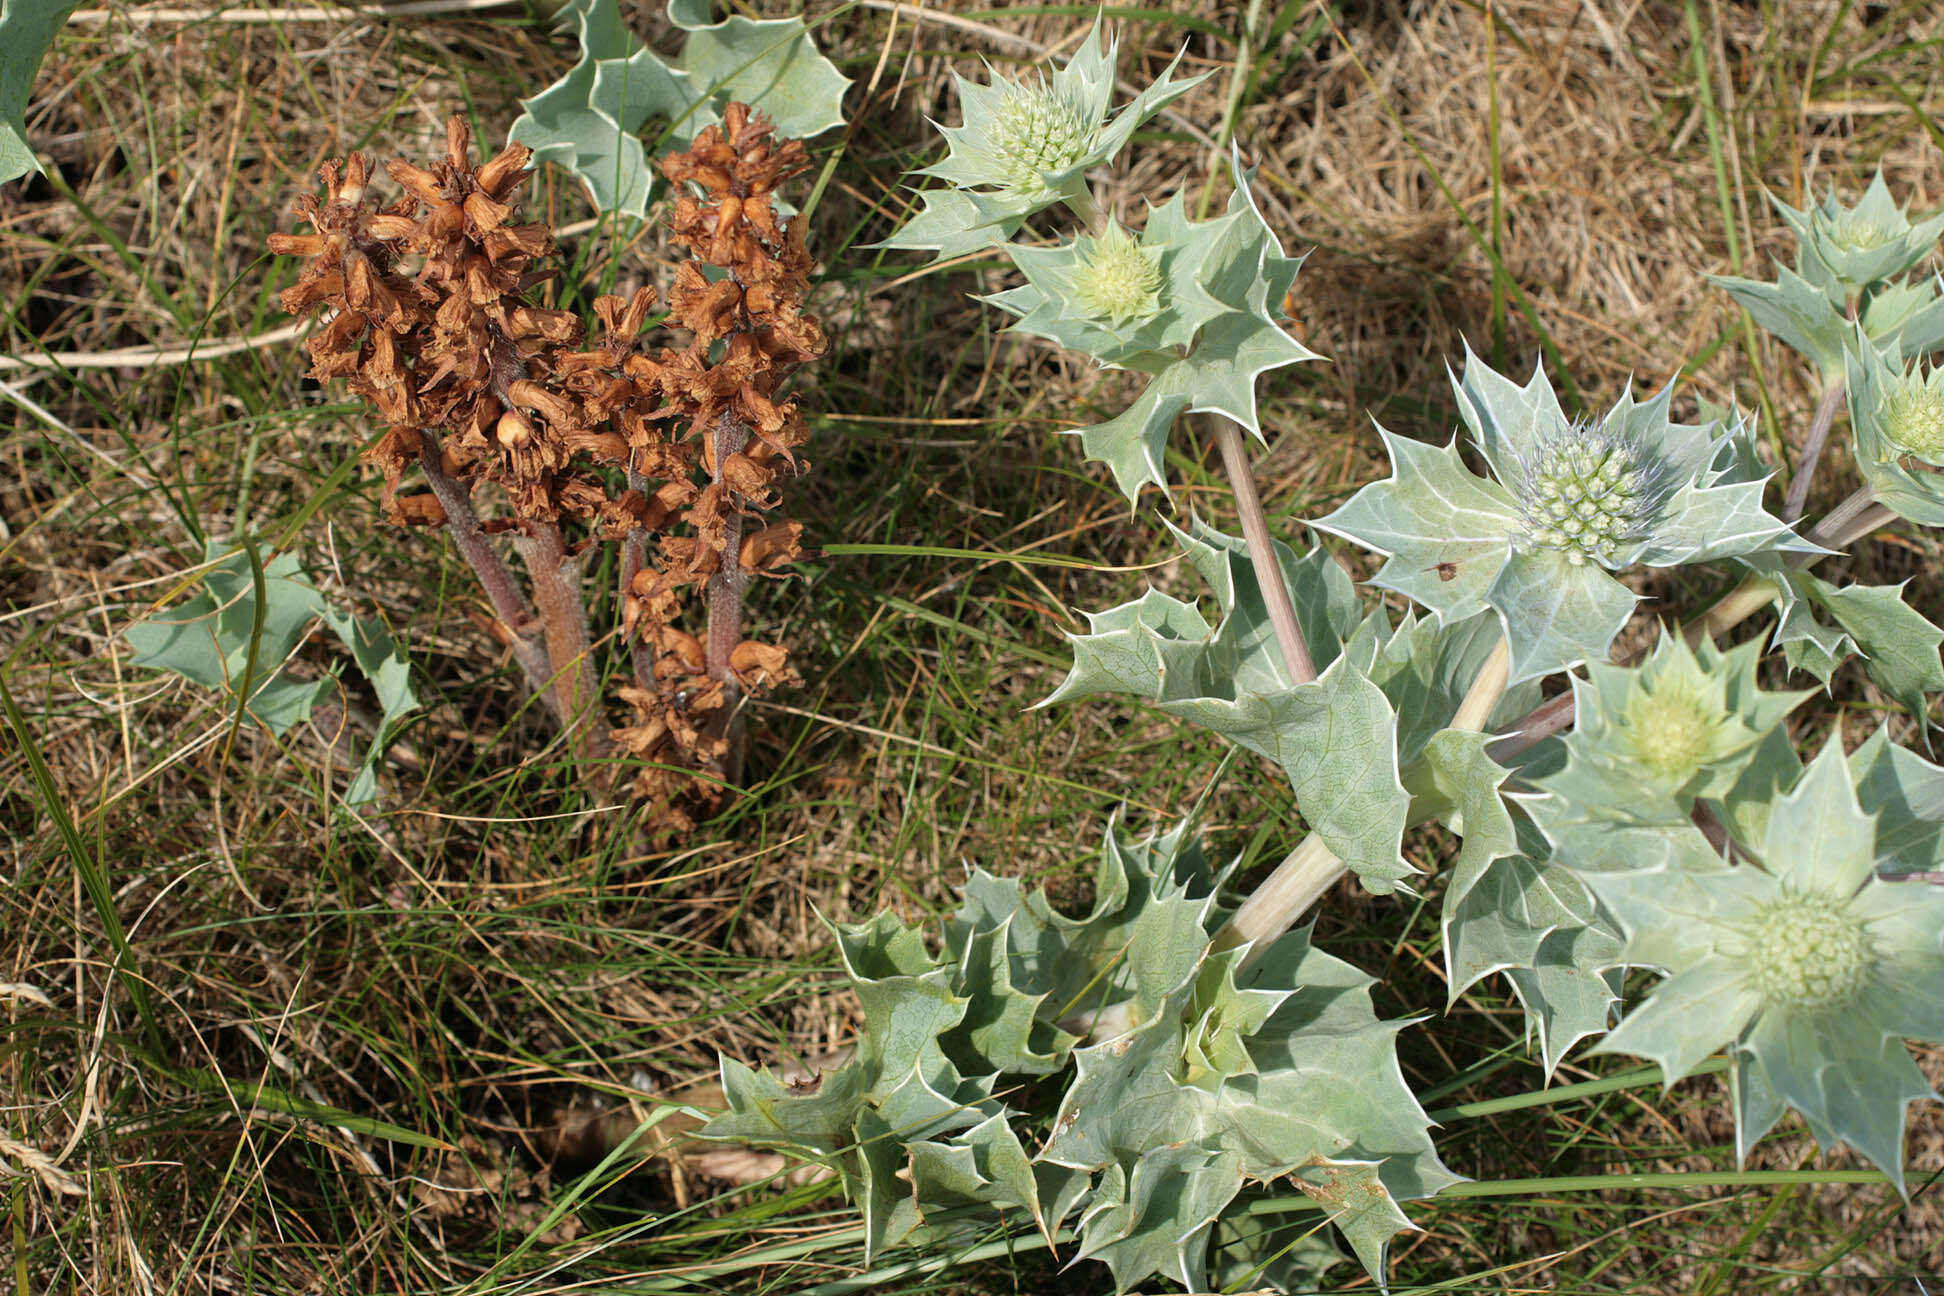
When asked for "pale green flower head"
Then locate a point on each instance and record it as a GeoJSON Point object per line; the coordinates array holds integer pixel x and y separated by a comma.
{"type": "Point", "coordinates": [1650, 739]}
{"type": "Point", "coordinates": [1196, 304]}
{"type": "Point", "coordinates": [1568, 502]}
{"type": "Point", "coordinates": [1025, 145]}
{"type": "Point", "coordinates": [1809, 968]}
{"type": "Point", "coordinates": [1897, 415]}
{"type": "Point", "coordinates": [1864, 244]}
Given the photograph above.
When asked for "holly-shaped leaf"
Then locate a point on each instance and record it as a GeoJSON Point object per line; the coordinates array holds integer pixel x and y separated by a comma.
{"type": "Point", "coordinates": [589, 121]}
{"type": "Point", "coordinates": [1334, 736]}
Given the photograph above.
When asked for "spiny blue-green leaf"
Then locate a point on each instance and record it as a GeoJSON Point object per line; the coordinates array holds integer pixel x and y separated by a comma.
{"type": "Point", "coordinates": [383, 662]}
{"type": "Point", "coordinates": [1024, 146]}
{"type": "Point", "coordinates": [1156, 890]}
{"type": "Point", "coordinates": [209, 638]}
{"type": "Point", "coordinates": [1004, 1028]}
{"type": "Point", "coordinates": [1353, 1196]}
{"type": "Point", "coordinates": [1897, 415]}
{"type": "Point", "coordinates": [1156, 1218]}
{"type": "Point", "coordinates": [589, 121]}
{"type": "Point", "coordinates": [986, 1163]}
{"type": "Point", "coordinates": [1426, 669]}
{"type": "Point", "coordinates": [1898, 646]}
{"type": "Point", "coordinates": [1906, 793]}
{"type": "Point", "coordinates": [27, 29]}
{"type": "Point", "coordinates": [1334, 736]}
{"type": "Point", "coordinates": [1284, 1105]}
{"type": "Point", "coordinates": [1797, 312]}
{"type": "Point", "coordinates": [816, 1120]}
{"type": "Point", "coordinates": [1455, 782]}
{"type": "Point", "coordinates": [1270, 1253]}
{"type": "Point", "coordinates": [1533, 920]}
{"type": "Point", "coordinates": [1810, 966]}
{"type": "Point", "coordinates": [1557, 613]}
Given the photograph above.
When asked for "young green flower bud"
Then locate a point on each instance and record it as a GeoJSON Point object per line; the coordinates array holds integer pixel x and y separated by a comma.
{"type": "Point", "coordinates": [1810, 952]}
{"type": "Point", "coordinates": [1588, 494]}
{"type": "Point", "coordinates": [1913, 417]}
{"type": "Point", "coordinates": [1675, 729]}
{"type": "Point", "coordinates": [1117, 279]}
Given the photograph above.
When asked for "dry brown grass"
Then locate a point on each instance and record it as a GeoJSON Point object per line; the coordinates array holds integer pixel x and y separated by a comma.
{"type": "Point", "coordinates": [487, 950]}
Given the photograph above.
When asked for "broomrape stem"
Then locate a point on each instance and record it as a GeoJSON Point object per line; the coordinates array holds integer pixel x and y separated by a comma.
{"type": "Point", "coordinates": [634, 556]}
{"type": "Point", "coordinates": [726, 600]}
{"type": "Point", "coordinates": [1262, 553]}
{"type": "Point", "coordinates": [563, 615]}
{"type": "Point", "coordinates": [509, 605]}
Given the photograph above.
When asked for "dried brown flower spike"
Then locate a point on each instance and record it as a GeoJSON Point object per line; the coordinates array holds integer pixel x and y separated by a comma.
{"type": "Point", "coordinates": [485, 388]}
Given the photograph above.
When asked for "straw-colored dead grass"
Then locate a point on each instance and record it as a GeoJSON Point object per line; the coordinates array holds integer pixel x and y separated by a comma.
{"type": "Point", "coordinates": [488, 957]}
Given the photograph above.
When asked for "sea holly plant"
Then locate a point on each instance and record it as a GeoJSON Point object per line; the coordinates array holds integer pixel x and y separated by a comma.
{"type": "Point", "coordinates": [1142, 1084]}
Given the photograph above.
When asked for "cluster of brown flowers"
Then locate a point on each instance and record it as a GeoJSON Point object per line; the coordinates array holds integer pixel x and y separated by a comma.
{"type": "Point", "coordinates": [433, 324]}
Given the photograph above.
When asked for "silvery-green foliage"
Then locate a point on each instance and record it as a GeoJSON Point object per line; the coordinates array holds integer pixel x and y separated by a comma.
{"type": "Point", "coordinates": [1023, 146]}
{"type": "Point", "coordinates": [1222, 1078]}
{"type": "Point", "coordinates": [1568, 503]}
{"type": "Point", "coordinates": [1341, 738]}
{"type": "Point", "coordinates": [1193, 303]}
{"type": "Point", "coordinates": [589, 120]}
{"type": "Point", "coordinates": [1897, 416]}
{"type": "Point", "coordinates": [1801, 961]}
{"type": "Point", "coordinates": [239, 631]}
{"type": "Point", "coordinates": [1821, 624]}
{"type": "Point", "coordinates": [1850, 256]}
{"type": "Point", "coordinates": [1864, 244]}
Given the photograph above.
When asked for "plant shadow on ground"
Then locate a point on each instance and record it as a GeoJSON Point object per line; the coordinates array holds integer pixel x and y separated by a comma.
{"type": "Point", "coordinates": [398, 1049]}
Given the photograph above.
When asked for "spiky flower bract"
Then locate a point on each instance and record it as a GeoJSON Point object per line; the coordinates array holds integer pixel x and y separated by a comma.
{"type": "Point", "coordinates": [1218, 289]}
{"type": "Point", "coordinates": [1649, 740]}
{"type": "Point", "coordinates": [1863, 244]}
{"type": "Point", "coordinates": [1897, 414]}
{"type": "Point", "coordinates": [1805, 965]}
{"type": "Point", "coordinates": [1023, 146]}
{"type": "Point", "coordinates": [1568, 503]}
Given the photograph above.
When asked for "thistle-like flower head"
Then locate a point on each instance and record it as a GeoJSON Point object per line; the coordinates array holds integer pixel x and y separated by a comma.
{"type": "Point", "coordinates": [1897, 415]}
{"type": "Point", "coordinates": [1854, 247]}
{"type": "Point", "coordinates": [1116, 279]}
{"type": "Point", "coordinates": [1805, 965]}
{"type": "Point", "coordinates": [1567, 502]}
{"type": "Point", "coordinates": [1590, 493]}
{"type": "Point", "coordinates": [1025, 145]}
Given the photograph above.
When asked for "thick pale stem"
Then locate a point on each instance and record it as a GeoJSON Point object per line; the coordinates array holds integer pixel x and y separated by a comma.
{"type": "Point", "coordinates": [1485, 691]}
{"type": "Point", "coordinates": [509, 605]}
{"type": "Point", "coordinates": [563, 616]}
{"type": "Point", "coordinates": [1082, 203]}
{"type": "Point", "coordinates": [1284, 896]}
{"type": "Point", "coordinates": [726, 599]}
{"type": "Point", "coordinates": [1812, 448]}
{"type": "Point", "coordinates": [1262, 554]}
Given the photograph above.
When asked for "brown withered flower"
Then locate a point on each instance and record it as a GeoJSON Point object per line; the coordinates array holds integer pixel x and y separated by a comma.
{"type": "Point", "coordinates": [747, 333]}
{"type": "Point", "coordinates": [431, 320]}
